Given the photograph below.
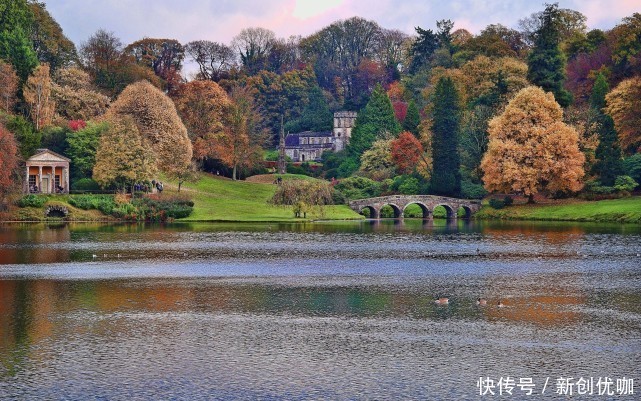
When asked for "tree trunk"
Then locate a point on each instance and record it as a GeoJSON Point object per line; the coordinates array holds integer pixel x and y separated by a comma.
{"type": "Point", "coordinates": [233, 174]}
{"type": "Point", "coordinates": [180, 183]}
{"type": "Point", "coordinates": [530, 199]}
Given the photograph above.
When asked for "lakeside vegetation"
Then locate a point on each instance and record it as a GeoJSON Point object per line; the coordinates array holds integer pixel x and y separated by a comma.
{"type": "Point", "coordinates": [550, 110]}
{"type": "Point", "coordinates": [625, 210]}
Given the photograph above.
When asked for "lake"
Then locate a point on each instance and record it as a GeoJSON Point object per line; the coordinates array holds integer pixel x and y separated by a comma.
{"type": "Point", "coordinates": [329, 310]}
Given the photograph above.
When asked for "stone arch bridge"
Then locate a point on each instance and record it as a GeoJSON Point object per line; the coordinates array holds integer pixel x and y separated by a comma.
{"type": "Point", "coordinates": [427, 204]}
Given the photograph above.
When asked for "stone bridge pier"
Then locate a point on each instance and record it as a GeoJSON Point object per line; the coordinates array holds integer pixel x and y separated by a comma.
{"type": "Point", "coordinates": [427, 203]}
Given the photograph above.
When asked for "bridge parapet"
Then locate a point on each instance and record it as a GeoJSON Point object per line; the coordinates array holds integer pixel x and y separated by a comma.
{"type": "Point", "coordinates": [426, 202]}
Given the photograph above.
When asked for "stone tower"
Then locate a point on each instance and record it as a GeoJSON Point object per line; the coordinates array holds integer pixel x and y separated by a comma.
{"type": "Point", "coordinates": [343, 124]}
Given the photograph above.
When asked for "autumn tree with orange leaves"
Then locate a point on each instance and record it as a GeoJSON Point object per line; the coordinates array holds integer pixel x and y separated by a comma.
{"type": "Point", "coordinates": [8, 86]}
{"type": "Point", "coordinates": [624, 105]}
{"type": "Point", "coordinates": [531, 149]}
{"type": "Point", "coordinates": [239, 145]}
{"type": "Point", "coordinates": [202, 106]}
{"type": "Point", "coordinates": [407, 152]}
{"type": "Point", "coordinates": [8, 161]}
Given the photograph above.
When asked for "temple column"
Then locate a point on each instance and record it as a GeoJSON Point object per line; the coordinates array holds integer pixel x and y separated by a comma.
{"type": "Point", "coordinates": [40, 178]}
{"type": "Point", "coordinates": [65, 174]}
{"type": "Point", "coordinates": [27, 180]}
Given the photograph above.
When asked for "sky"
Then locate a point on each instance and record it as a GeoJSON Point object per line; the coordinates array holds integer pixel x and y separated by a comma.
{"type": "Point", "coordinates": [221, 20]}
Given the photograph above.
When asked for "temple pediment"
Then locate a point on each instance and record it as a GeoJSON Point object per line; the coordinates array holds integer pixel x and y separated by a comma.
{"type": "Point", "coordinates": [47, 156]}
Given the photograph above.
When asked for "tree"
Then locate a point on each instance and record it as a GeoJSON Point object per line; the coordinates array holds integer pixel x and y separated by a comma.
{"type": "Point", "coordinates": [37, 94]}
{"type": "Point", "coordinates": [568, 23]}
{"type": "Point", "coordinates": [423, 48]}
{"type": "Point", "coordinates": [412, 119]}
{"type": "Point", "coordinates": [303, 195]}
{"type": "Point", "coordinates": [531, 149]}
{"type": "Point", "coordinates": [609, 163]}
{"type": "Point", "coordinates": [121, 158]}
{"type": "Point", "coordinates": [254, 46]}
{"type": "Point", "coordinates": [75, 97]}
{"type": "Point", "coordinates": [546, 62]}
{"type": "Point", "coordinates": [407, 153]}
{"type": "Point", "coordinates": [16, 21]}
{"type": "Point", "coordinates": [376, 162]}
{"type": "Point", "coordinates": [202, 106]}
{"type": "Point", "coordinates": [101, 51]}
{"type": "Point", "coordinates": [8, 86]}
{"type": "Point", "coordinates": [496, 40]}
{"type": "Point", "coordinates": [158, 123]}
{"type": "Point", "coordinates": [375, 120]}
{"type": "Point", "coordinates": [337, 51]}
{"type": "Point", "coordinates": [28, 139]}
{"type": "Point", "coordinates": [625, 42]}
{"type": "Point", "coordinates": [112, 70]}
{"type": "Point", "coordinates": [315, 116]}
{"type": "Point", "coordinates": [239, 145]}
{"type": "Point", "coordinates": [163, 56]}
{"type": "Point", "coordinates": [8, 162]}
{"type": "Point", "coordinates": [49, 42]}
{"type": "Point", "coordinates": [214, 59]}
{"type": "Point", "coordinates": [283, 95]}
{"type": "Point", "coordinates": [82, 146]}
{"type": "Point", "coordinates": [623, 104]}
{"type": "Point", "coordinates": [473, 139]}
{"type": "Point", "coordinates": [446, 177]}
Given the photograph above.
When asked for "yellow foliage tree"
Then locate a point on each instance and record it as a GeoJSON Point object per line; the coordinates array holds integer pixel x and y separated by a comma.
{"type": "Point", "coordinates": [75, 97]}
{"type": "Point", "coordinates": [623, 104]}
{"type": "Point", "coordinates": [121, 158]}
{"type": "Point", "coordinates": [37, 94]}
{"type": "Point", "coordinates": [160, 127]}
{"type": "Point", "coordinates": [531, 149]}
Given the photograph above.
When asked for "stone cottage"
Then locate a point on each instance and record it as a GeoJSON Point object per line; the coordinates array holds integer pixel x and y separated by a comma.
{"type": "Point", "coordinates": [309, 146]}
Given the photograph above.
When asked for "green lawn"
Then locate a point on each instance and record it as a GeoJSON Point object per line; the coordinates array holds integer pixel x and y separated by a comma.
{"type": "Point", "coordinates": [625, 210]}
{"type": "Point", "coordinates": [220, 199]}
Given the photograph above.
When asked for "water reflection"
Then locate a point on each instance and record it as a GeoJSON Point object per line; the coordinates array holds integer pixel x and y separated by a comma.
{"type": "Point", "coordinates": [315, 311]}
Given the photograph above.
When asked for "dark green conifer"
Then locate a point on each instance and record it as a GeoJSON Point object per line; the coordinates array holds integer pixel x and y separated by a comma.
{"type": "Point", "coordinates": [446, 177]}
{"type": "Point", "coordinates": [608, 153]}
{"type": "Point", "coordinates": [412, 119]}
{"type": "Point", "coordinates": [546, 62]}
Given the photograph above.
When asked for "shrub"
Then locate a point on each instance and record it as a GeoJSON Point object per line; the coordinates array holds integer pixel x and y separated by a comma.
{"type": "Point", "coordinates": [470, 190]}
{"type": "Point", "coordinates": [508, 201]}
{"type": "Point", "coordinates": [338, 198]}
{"type": "Point", "coordinates": [358, 188]}
{"type": "Point", "coordinates": [154, 209]}
{"type": "Point", "coordinates": [409, 186]}
{"type": "Point", "coordinates": [85, 184]}
{"type": "Point", "coordinates": [104, 203]}
{"type": "Point", "coordinates": [632, 167]}
{"type": "Point", "coordinates": [497, 203]}
{"type": "Point", "coordinates": [625, 183]}
{"type": "Point", "coordinates": [32, 200]}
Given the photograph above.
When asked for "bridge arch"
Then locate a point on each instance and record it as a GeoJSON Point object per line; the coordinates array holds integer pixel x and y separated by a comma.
{"type": "Point", "coordinates": [424, 208]}
{"type": "Point", "coordinates": [449, 210]}
{"type": "Point", "coordinates": [467, 212]}
{"type": "Point", "coordinates": [373, 213]}
{"type": "Point", "coordinates": [398, 212]}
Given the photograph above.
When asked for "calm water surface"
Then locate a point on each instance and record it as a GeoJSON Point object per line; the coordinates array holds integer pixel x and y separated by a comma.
{"type": "Point", "coordinates": [315, 311]}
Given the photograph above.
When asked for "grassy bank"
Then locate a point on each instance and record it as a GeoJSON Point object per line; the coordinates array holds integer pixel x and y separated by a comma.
{"type": "Point", "coordinates": [220, 199]}
{"type": "Point", "coordinates": [625, 210]}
